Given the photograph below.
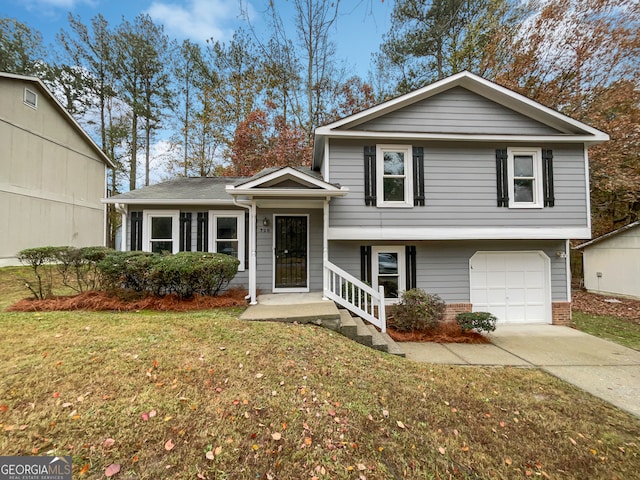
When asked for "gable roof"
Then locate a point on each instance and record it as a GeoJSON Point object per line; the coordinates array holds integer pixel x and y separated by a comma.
{"type": "Point", "coordinates": [569, 129]}
{"type": "Point", "coordinates": [63, 112]}
{"type": "Point", "coordinates": [607, 236]}
{"type": "Point", "coordinates": [282, 181]}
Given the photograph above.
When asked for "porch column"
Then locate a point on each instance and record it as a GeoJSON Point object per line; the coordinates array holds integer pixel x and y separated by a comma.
{"type": "Point", "coordinates": [325, 248]}
{"type": "Point", "coordinates": [122, 209]}
{"type": "Point", "coordinates": [252, 253]}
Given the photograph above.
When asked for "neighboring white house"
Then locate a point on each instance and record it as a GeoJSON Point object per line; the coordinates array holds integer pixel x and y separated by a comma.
{"type": "Point", "coordinates": [52, 175]}
{"type": "Point", "coordinates": [611, 263]}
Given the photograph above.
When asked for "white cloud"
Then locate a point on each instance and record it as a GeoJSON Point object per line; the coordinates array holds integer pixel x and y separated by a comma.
{"type": "Point", "coordinates": [64, 4]}
{"type": "Point", "coordinates": [197, 20]}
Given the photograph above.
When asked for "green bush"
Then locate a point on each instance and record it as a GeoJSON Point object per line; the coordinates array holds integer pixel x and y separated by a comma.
{"type": "Point", "coordinates": [78, 266]}
{"type": "Point", "coordinates": [37, 258]}
{"type": "Point", "coordinates": [417, 311]}
{"type": "Point", "coordinates": [128, 270]}
{"type": "Point", "coordinates": [184, 273]}
{"type": "Point", "coordinates": [479, 321]}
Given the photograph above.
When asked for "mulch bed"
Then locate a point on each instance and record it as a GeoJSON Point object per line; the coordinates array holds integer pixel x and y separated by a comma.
{"type": "Point", "coordinates": [103, 301]}
{"type": "Point", "coordinates": [448, 332]}
{"type": "Point", "coordinates": [594, 304]}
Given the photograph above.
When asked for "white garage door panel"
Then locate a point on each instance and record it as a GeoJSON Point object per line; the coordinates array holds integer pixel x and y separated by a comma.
{"type": "Point", "coordinates": [514, 286]}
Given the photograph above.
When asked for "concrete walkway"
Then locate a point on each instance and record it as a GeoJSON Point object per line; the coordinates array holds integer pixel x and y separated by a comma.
{"type": "Point", "coordinates": [604, 369]}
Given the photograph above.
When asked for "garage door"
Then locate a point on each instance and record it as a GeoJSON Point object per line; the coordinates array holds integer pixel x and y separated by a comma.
{"type": "Point", "coordinates": [514, 286]}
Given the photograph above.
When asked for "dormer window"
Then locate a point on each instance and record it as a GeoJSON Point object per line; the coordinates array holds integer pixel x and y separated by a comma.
{"type": "Point", "coordinates": [30, 98]}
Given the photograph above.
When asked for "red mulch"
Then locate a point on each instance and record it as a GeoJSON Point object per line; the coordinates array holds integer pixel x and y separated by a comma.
{"type": "Point", "coordinates": [102, 301]}
{"type": "Point", "coordinates": [595, 304]}
{"type": "Point", "coordinates": [448, 332]}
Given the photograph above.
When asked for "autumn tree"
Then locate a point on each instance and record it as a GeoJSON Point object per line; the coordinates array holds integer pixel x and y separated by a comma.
{"type": "Point", "coordinates": [263, 141]}
{"type": "Point", "coordinates": [581, 58]}
{"type": "Point", "coordinates": [353, 96]}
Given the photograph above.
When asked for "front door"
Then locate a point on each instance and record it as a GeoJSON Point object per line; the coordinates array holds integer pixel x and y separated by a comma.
{"type": "Point", "coordinates": [290, 263]}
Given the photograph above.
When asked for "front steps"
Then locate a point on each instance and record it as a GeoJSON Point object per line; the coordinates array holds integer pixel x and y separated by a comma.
{"type": "Point", "coordinates": [310, 308]}
{"type": "Point", "coordinates": [366, 334]}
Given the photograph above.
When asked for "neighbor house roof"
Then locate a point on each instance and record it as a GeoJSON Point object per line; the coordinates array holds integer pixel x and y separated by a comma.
{"type": "Point", "coordinates": [570, 130]}
{"type": "Point", "coordinates": [63, 111]}
{"type": "Point", "coordinates": [189, 190]}
{"type": "Point", "coordinates": [606, 236]}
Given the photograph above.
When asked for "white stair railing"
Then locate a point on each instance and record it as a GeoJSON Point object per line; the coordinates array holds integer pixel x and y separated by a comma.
{"type": "Point", "coordinates": [355, 295]}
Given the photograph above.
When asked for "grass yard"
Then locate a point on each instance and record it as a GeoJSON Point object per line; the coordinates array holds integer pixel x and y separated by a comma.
{"type": "Point", "coordinates": [619, 330]}
{"type": "Point", "coordinates": [204, 395]}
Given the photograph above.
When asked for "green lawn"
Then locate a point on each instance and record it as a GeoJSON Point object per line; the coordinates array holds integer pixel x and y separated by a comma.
{"type": "Point", "coordinates": [204, 395]}
{"type": "Point", "coordinates": [619, 330]}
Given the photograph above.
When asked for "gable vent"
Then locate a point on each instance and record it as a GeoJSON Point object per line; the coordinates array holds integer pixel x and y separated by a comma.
{"type": "Point", "coordinates": [30, 98]}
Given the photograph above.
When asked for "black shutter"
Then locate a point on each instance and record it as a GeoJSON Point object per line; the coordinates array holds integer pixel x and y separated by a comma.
{"type": "Point", "coordinates": [365, 264]}
{"type": "Point", "coordinates": [502, 178]}
{"type": "Point", "coordinates": [136, 230]}
{"type": "Point", "coordinates": [410, 254]}
{"type": "Point", "coordinates": [370, 176]}
{"type": "Point", "coordinates": [547, 178]}
{"type": "Point", "coordinates": [203, 232]}
{"type": "Point", "coordinates": [418, 176]}
{"type": "Point", "coordinates": [185, 231]}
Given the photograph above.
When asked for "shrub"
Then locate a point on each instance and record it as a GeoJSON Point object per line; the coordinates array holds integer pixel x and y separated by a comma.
{"type": "Point", "coordinates": [128, 270]}
{"type": "Point", "coordinates": [184, 273]}
{"type": "Point", "coordinates": [479, 321]}
{"type": "Point", "coordinates": [417, 311]}
{"type": "Point", "coordinates": [36, 258]}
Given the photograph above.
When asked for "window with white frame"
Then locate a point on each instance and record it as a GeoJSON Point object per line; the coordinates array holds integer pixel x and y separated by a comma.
{"type": "Point", "coordinates": [394, 177]}
{"type": "Point", "coordinates": [161, 231]}
{"type": "Point", "coordinates": [524, 167]}
{"type": "Point", "coordinates": [388, 270]}
{"type": "Point", "coordinates": [226, 234]}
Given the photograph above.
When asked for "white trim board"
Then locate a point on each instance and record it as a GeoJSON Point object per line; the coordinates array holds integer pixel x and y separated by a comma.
{"type": "Point", "coordinates": [444, 233]}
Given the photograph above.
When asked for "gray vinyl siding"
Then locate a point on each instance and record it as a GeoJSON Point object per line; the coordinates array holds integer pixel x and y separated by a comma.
{"type": "Point", "coordinates": [443, 266]}
{"type": "Point", "coordinates": [265, 247]}
{"type": "Point", "coordinates": [457, 110]}
{"type": "Point", "coordinates": [460, 189]}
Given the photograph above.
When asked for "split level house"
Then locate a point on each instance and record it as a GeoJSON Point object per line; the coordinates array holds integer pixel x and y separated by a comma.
{"type": "Point", "coordinates": [463, 188]}
{"type": "Point", "coordinates": [52, 174]}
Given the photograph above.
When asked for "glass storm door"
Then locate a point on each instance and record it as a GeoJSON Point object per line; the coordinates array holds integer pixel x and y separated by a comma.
{"type": "Point", "coordinates": [290, 269]}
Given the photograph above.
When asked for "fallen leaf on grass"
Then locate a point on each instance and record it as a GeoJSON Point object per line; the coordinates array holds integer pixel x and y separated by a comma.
{"type": "Point", "coordinates": [259, 375]}
{"type": "Point", "coordinates": [573, 441]}
{"type": "Point", "coordinates": [108, 443]}
{"type": "Point", "coordinates": [400, 424]}
{"type": "Point", "coordinates": [169, 445]}
{"type": "Point", "coordinates": [209, 455]}
{"type": "Point", "coordinates": [276, 436]}
{"type": "Point", "coordinates": [112, 469]}
{"type": "Point", "coordinates": [84, 469]}
{"type": "Point", "coordinates": [442, 450]}
{"type": "Point", "coordinates": [508, 461]}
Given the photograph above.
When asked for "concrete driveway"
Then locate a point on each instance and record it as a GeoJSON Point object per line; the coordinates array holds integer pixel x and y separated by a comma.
{"type": "Point", "coordinates": [604, 369]}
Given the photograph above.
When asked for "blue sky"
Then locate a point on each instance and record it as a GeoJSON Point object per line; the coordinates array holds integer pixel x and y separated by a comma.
{"type": "Point", "coordinates": [359, 31]}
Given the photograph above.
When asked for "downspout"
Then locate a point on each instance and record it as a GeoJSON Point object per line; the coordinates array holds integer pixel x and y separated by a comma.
{"type": "Point", "coordinates": [122, 210]}
{"type": "Point", "coordinates": [252, 248]}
